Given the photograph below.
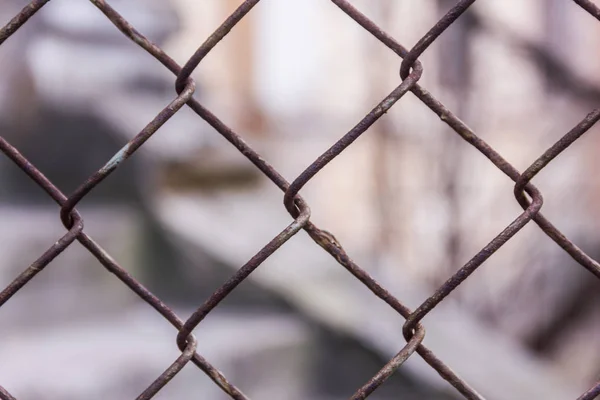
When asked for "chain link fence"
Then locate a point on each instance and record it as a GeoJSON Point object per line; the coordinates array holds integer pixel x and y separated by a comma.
{"type": "Point", "coordinates": [527, 195]}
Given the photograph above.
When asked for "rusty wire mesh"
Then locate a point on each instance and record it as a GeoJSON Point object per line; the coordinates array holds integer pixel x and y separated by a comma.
{"type": "Point", "coordinates": [411, 69]}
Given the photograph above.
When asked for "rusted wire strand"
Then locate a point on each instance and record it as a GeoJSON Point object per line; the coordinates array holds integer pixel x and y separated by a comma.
{"type": "Point", "coordinates": [592, 393]}
{"type": "Point", "coordinates": [527, 195]}
{"type": "Point", "coordinates": [27, 12]}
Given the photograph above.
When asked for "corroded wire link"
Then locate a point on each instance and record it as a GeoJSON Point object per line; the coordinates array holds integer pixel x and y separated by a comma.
{"type": "Point", "coordinates": [527, 195]}
{"type": "Point", "coordinates": [432, 35]}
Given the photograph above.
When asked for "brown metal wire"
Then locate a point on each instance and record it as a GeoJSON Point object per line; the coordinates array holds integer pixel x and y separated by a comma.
{"type": "Point", "coordinates": [411, 69]}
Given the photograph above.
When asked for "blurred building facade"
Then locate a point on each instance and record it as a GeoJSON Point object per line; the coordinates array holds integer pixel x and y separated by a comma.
{"type": "Point", "coordinates": [409, 198]}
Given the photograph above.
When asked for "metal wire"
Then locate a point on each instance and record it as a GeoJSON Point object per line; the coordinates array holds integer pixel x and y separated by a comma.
{"type": "Point", "coordinates": [410, 73]}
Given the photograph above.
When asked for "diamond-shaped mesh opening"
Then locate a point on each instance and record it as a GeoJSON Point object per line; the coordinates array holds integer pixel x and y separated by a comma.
{"type": "Point", "coordinates": [411, 69]}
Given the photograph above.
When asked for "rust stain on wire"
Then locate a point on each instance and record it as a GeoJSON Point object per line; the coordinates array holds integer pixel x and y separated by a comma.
{"type": "Point", "coordinates": [527, 195]}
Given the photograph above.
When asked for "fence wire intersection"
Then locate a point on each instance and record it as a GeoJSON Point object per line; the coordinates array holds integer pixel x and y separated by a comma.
{"type": "Point", "coordinates": [527, 195]}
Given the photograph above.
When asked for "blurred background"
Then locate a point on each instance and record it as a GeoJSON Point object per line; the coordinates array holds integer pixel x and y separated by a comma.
{"type": "Point", "coordinates": [409, 200]}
